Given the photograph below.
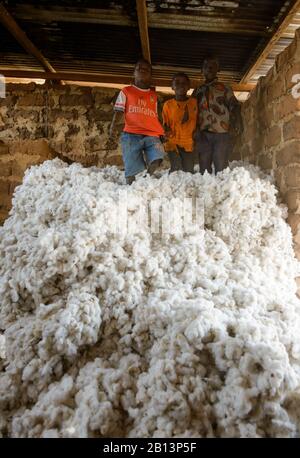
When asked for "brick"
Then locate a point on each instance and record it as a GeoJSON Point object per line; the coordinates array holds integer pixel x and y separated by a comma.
{"type": "Point", "coordinates": [105, 97]}
{"type": "Point", "coordinates": [72, 130]}
{"type": "Point", "coordinates": [281, 60]}
{"type": "Point", "coordinates": [268, 115]}
{"type": "Point", "coordinates": [20, 87]}
{"type": "Point", "coordinates": [273, 137]}
{"type": "Point", "coordinates": [294, 222]}
{"type": "Point", "coordinates": [288, 55]}
{"type": "Point", "coordinates": [288, 154]}
{"type": "Point", "coordinates": [18, 147]}
{"type": "Point", "coordinates": [100, 115]}
{"type": "Point", "coordinates": [39, 147]}
{"type": "Point", "coordinates": [57, 113]}
{"type": "Point", "coordinates": [115, 159]}
{"type": "Point", "coordinates": [250, 130]}
{"type": "Point", "coordinates": [18, 169]}
{"type": "Point", "coordinates": [88, 160]}
{"type": "Point", "coordinates": [8, 101]}
{"type": "Point", "coordinates": [279, 179]}
{"type": "Point", "coordinates": [265, 162]}
{"type": "Point", "coordinates": [76, 100]}
{"type": "Point", "coordinates": [13, 184]}
{"type": "Point", "coordinates": [269, 77]}
{"type": "Point", "coordinates": [291, 129]}
{"type": "Point", "coordinates": [276, 88]}
{"type": "Point", "coordinates": [257, 143]}
{"type": "Point", "coordinates": [31, 115]}
{"type": "Point", "coordinates": [285, 107]}
{"type": "Point", "coordinates": [6, 169]}
{"type": "Point", "coordinates": [5, 201]}
{"type": "Point", "coordinates": [292, 176]}
{"type": "Point", "coordinates": [292, 199]}
{"type": "Point", "coordinates": [3, 149]}
{"type": "Point", "coordinates": [31, 100]}
{"type": "Point", "coordinates": [4, 186]}
{"type": "Point", "coordinates": [293, 70]}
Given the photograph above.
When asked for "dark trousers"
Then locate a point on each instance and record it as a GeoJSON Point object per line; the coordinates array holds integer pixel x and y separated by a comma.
{"type": "Point", "coordinates": [212, 148]}
{"type": "Point", "coordinates": [181, 160]}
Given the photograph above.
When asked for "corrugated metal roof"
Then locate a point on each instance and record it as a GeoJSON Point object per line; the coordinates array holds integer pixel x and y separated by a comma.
{"type": "Point", "coordinates": [91, 35]}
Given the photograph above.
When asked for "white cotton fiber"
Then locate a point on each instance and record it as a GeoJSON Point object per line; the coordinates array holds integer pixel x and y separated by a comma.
{"type": "Point", "coordinates": [144, 333]}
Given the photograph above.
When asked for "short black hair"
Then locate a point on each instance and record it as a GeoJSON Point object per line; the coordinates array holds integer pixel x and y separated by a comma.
{"type": "Point", "coordinates": [211, 56]}
{"type": "Point", "coordinates": [182, 74]}
{"type": "Point", "coordinates": [144, 61]}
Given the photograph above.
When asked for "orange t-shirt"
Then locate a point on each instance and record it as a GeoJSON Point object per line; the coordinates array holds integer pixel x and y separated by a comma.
{"type": "Point", "coordinates": [181, 118]}
{"type": "Point", "coordinates": [140, 107]}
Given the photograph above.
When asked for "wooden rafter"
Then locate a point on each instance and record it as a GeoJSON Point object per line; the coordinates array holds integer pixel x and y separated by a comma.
{"type": "Point", "coordinates": [141, 8]}
{"type": "Point", "coordinates": [272, 42]}
{"type": "Point", "coordinates": [103, 78]}
{"type": "Point", "coordinates": [11, 25]}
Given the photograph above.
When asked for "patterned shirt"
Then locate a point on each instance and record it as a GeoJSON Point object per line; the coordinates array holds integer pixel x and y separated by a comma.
{"type": "Point", "coordinates": [215, 102]}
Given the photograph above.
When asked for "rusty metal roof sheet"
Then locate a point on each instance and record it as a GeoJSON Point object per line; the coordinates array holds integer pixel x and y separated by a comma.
{"type": "Point", "coordinates": [92, 35]}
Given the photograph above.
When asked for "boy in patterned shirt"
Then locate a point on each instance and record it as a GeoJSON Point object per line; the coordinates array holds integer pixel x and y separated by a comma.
{"type": "Point", "coordinates": [217, 108]}
{"type": "Point", "coordinates": [136, 105]}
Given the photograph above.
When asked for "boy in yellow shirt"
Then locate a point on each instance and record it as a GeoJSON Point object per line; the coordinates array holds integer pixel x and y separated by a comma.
{"type": "Point", "coordinates": [179, 120]}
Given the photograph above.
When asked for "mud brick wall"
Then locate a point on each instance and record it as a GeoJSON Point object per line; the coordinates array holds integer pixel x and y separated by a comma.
{"type": "Point", "coordinates": [39, 122]}
{"type": "Point", "coordinates": [73, 119]}
{"type": "Point", "coordinates": [271, 137]}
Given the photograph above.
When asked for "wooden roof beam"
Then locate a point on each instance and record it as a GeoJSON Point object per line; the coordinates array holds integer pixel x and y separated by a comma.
{"type": "Point", "coordinates": [279, 31]}
{"type": "Point", "coordinates": [141, 8]}
{"type": "Point", "coordinates": [103, 78]}
{"type": "Point", "coordinates": [11, 25]}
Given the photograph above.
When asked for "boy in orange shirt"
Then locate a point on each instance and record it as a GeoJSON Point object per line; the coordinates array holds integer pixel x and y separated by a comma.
{"type": "Point", "coordinates": [179, 120]}
{"type": "Point", "coordinates": [136, 105]}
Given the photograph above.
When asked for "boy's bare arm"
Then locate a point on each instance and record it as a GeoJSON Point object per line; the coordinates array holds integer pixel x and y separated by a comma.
{"type": "Point", "coordinates": [117, 124]}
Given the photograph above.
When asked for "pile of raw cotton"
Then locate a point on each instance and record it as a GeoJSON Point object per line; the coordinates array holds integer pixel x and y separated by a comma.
{"type": "Point", "coordinates": [137, 333]}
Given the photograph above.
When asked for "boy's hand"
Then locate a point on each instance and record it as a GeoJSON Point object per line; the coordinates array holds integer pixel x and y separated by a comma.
{"type": "Point", "coordinates": [168, 132]}
{"type": "Point", "coordinates": [112, 133]}
{"type": "Point", "coordinates": [116, 125]}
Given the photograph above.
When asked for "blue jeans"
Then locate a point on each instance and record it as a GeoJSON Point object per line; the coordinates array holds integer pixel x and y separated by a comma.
{"type": "Point", "coordinates": [139, 151]}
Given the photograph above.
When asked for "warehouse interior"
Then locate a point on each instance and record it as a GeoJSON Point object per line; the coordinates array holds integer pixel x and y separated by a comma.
{"type": "Point", "coordinates": [95, 338]}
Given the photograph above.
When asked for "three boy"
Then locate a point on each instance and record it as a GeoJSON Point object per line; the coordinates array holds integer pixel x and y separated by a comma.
{"type": "Point", "coordinates": [192, 126]}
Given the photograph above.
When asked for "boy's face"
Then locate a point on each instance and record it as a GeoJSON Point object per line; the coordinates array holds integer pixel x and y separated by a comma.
{"type": "Point", "coordinates": [142, 74]}
{"type": "Point", "coordinates": [180, 85]}
{"type": "Point", "coordinates": [210, 69]}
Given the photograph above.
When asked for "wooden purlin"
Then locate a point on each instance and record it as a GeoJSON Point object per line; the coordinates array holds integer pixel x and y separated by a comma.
{"type": "Point", "coordinates": [141, 9]}
{"type": "Point", "coordinates": [103, 78]}
{"type": "Point", "coordinates": [11, 25]}
{"type": "Point", "coordinates": [272, 42]}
